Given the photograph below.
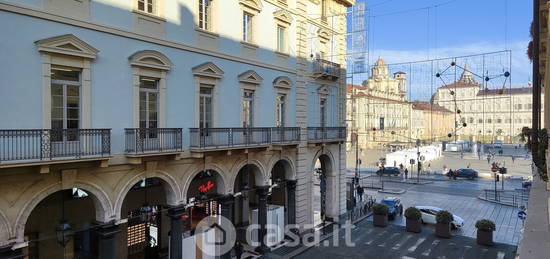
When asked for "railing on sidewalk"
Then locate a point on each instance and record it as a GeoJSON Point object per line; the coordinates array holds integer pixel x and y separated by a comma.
{"type": "Point", "coordinates": [214, 138]}
{"type": "Point", "coordinates": [507, 197]}
{"type": "Point", "coordinates": [26, 145]}
{"type": "Point", "coordinates": [326, 134]}
{"type": "Point", "coordinates": [152, 140]}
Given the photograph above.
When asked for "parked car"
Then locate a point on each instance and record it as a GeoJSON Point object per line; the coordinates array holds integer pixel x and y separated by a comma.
{"type": "Point", "coordinates": [395, 208]}
{"type": "Point", "coordinates": [497, 144]}
{"type": "Point", "coordinates": [388, 171]}
{"type": "Point", "coordinates": [466, 173]}
{"type": "Point", "coordinates": [428, 216]}
{"type": "Point", "coordinates": [526, 184]}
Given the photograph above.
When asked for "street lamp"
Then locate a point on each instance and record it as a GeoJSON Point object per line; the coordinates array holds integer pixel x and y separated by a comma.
{"type": "Point", "coordinates": [64, 232]}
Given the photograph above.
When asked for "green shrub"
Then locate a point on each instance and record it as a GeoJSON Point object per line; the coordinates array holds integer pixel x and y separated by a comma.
{"type": "Point", "coordinates": [413, 213]}
{"type": "Point", "coordinates": [444, 217]}
{"type": "Point", "coordinates": [485, 225]}
{"type": "Point", "coordinates": [380, 209]}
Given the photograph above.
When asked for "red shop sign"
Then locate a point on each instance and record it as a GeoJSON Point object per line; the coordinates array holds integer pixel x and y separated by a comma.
{"type": "Point", "coordinates": [206, 187]}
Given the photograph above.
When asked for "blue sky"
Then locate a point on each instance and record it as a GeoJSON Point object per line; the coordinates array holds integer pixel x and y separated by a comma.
{"type": "Point", "coordinates": [454, 28]}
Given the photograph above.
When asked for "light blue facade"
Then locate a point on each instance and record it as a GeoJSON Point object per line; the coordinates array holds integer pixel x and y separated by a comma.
{"type": "Point", "coordinates": [111, 77]}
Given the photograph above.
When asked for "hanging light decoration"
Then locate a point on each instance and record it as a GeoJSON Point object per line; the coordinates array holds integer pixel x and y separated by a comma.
{"type": "Point", "coordinates": [63, 231]}
{"type": "Point", "coordinates": [146, 211]}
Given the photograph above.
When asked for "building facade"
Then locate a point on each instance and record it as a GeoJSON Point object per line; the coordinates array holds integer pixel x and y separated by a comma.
{"type": "Point", "coordinates": [131, 119]}
{"type": "Point", "coordinates": [486, 114]}
{"type": "Point", "coordinates": [379, 107]}
{"type": "Point", "coordinates": [432, 122]}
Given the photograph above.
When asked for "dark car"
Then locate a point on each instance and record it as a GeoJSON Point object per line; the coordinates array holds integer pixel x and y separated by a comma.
{"type": "Point", "coordinates": [526, 184]}
{"type": "Point", "coordinates": [388, 171]}
{"type": "Point", "coordinates": [395, 208]}
{"type": "Point", "coordinates": [465, 173]}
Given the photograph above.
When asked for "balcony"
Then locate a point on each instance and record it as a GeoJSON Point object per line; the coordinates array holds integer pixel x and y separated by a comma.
{"type": "Point", "coordinates": [153, 141]}
{"type": "Point", "coordinates": [45, 146]}
{"type": "Point", "coordinates": [326, 69]}
{"type": "Point", "coordinates": [326, 134]}
{"type": "Point", "coordinates": [205, 139]}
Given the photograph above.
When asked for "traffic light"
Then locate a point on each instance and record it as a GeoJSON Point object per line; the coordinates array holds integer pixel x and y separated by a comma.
{"type": "Point", "coordinates": [497, 179]}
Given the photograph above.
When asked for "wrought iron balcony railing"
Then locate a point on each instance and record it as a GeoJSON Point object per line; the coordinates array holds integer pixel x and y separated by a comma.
{"type": "Point", "coordinates": [325, 68]}
{"type": "Point", "coordinates": [153, 140]}
{"type": "Point", "coordinates": [32, 145]}
{"type": "Point", "coordinates": [214, 138]}
{"type": "Point", "coordinates": [326, 134]}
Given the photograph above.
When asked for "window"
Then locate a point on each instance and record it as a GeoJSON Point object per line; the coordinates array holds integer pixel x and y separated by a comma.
{"type": "Point", "coordinates": [323, 112]}
{"type": "Point", "coordinates": [248, 108]}
{"type": "Point", "coordinates": [247, 27]}
{"type": "Point", "coordinates": [479, 120]}
{"type": "Point", "coordinates": [489, 121]}
{"type": "Point", "coordinates": [65, 98]}
{"type": "Point", "coordinates": [281, 110]}
{"type": "Point", "coordinates": [499, 120]}
{"type": "Point", "coordinates": [205, 106]}
{"type": "Point", "coordinates": [470, 120]}
{"type": "Point", "coordinates": [205, 15]}
{"type": "Point", "coordinates": [508, 120]}
{"type": "Point", "coordinates": [147, 6]}
{"type": "Point", "coordinates": [148, 102]}
{"type": "Point", "coordinates": [281, 38]}
{"type": "Point", "coordinates": [529, 106]}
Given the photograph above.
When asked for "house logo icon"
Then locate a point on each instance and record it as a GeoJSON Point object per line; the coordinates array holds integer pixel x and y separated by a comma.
{"type": "Point", "coordinates": [216, 235]}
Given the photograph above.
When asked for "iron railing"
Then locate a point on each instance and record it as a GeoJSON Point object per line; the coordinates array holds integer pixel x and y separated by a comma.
{"type": "Point", "coordinates": [285, 135]}
{"type": "Point", "coordinates": [513, 198]}
{"type": "Point", "coordinates": [22, 145]}
{"type": "Point", "coordinates": [325, 134]}
{"type": "Point", "coordinates": [326, 68]}
{"type": "Point", "coordinates": [206, 138]}
{"type": "Point", "coordinates": [152, 140]}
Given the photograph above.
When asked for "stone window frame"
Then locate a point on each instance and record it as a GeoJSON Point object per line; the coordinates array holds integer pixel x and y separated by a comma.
{"type": "Point", "coordinates": [207, 74]}
{"type": "Point", "coordinates": [149, 63]}
{"type": "Point", "coordinates": [323, 92]}
{"type": "Point", "coordinates": [252, 7]}
{"type": "Point", "coordinates": [250, 81]}
{"type": "Point", "coordinates": [282, 19]}
{"type": "Point", "coordinates": [69, 51]}
{"type": "Point", "coordinates": [158, 9]}
{"type": "Point", "coordinates": [282, 85]}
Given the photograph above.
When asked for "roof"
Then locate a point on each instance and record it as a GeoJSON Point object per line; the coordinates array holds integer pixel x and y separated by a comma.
{"type": "Point", "coordinates": [361, 94]}
{"type": "Point", "coordinates": [523, 90]}
{"type": "Point", "coordinates": [349, 87]}
{"type": "Point", "coordinates": [429, 107]}
{"type": "Point", "coordinates": [459, 84]}
{"type": "Point", "coordinates": [380, 62]}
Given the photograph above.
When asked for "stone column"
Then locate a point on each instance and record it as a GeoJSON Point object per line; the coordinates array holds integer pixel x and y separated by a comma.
{"type": "Point", "coordinates": [107, 241]}
{"type": "Point", "coordinates": [291, 201]}
{"type": "Point", "coordinates": [175, 214]}
{"type": "Point", "coordinates": [226, 203]}
{"type": "Point", "coordinates": [262, 192]}
{"type": "Point", "coordinates": [7, 252]}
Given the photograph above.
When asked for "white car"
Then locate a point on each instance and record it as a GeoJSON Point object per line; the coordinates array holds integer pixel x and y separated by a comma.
{"type": "Point", "coordinates": [429, 212]}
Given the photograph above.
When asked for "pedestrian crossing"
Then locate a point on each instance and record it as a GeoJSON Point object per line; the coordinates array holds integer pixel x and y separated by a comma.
{"type": "Point", "coordinates": [394, 242]}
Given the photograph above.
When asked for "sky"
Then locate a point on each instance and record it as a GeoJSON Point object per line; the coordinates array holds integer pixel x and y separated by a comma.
{"type": "Point", "coordinates": [413, 30]}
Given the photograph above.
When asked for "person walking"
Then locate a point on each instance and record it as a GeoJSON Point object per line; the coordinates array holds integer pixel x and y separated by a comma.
{"type": "Point", "coordinates": [406, 173]}
{"type": "Point", "coordinates": [455, 174]}
{"type": "Point", "coordinates": [360, 192]}
{"type": "Point", "coordinates": [450, 173]}
{"type": "Point", "coordinates": [488, 159]}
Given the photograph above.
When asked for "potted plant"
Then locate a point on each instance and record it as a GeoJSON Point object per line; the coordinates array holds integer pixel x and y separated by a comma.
{"type": "Point", "coordinates": [485, 230]}
{"type": "Point", "coordinates": [380, 212]}
{"type": "Point", "coordinates": [414, 223]}
{"type": "Point", "coordinates": [443, 225]}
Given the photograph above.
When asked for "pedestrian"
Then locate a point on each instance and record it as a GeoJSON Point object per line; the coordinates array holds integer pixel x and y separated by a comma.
{"type": "Point", "coordinates": [461, 155]}
{"type": "Point", "coordinates": [488, 159]}
{"type": "Point", "coordinates": [429, 168]}
{"type": "Point", "coordinates": [513, 159]}
{"type": "Point", "coordinates": [401, 166]}
{"type": "Point", "coordinates": [450, 173]}
{"type": "Point", "coordinates": [406, 173]}
{"type": "Point", "coordinates": [239, 249]}
{"type": "Point", "coordinates": [455, 174]}
{"type": "Point", "coordinates": [360, 192]}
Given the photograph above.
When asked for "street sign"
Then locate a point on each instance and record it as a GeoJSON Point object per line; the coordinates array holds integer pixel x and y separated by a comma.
{"type": "Point", "coordinates": [422, 158]}
{"type": "Point", "coordinates": [411, 161]}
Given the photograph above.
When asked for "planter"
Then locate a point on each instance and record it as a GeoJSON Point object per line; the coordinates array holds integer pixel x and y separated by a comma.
{"type": "Point", "coordinates": [443, 230]}
{"type": "Point", "coordinates": [380, 220]}
{"type": "Point", "coordinates": [485, 237]}
{"type": "Point", "coordinates": [414, 226]}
